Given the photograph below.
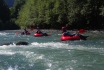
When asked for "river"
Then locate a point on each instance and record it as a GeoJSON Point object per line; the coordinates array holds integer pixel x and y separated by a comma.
{"type": "Point", "coordinates": [49, 53]}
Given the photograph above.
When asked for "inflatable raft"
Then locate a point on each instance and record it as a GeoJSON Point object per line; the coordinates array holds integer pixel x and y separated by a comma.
{"type": "Point", "coordinates": [64, 38]}
{"type": "Point", "coordinates": [39, 35]}
{"type": "Point", "coordinates": [28, 33]}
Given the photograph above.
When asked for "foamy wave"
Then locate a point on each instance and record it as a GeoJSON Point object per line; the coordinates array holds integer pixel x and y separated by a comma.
{"type": "Point", "coordinates": [11, 68]}
{"type": "Point", "coordinates": [56, 45]}
{"type": "Point", "coordinates": [4, 52]}
{"type": "Point", "coordinates": [7, 46]}
{"type": "Point", "coordinates": [2, 34]}
{"type": "Point", "coordinates": [50, 44]}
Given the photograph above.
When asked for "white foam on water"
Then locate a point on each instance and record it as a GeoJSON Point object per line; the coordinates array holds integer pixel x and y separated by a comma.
{"type": "Point", "coordinates": [56, 45]}
{"type": "Point", "coordinates": [31, 55]}
{"type": "Point", "coordinates": [50, 44]}
{"type": "Point", "coordinates": [7, 46]}
{"type": "Point", "coordinates": [6, 52]}
{"type": "Point", "coordinates": [34, 58]}
{"type": "Point", "coordinates": [9, 50]}
{"type": "Point", "coordinates": [11, 68]}
{"type": "Point", "coordinates": [53, 45]}
{"type": "Point", "coordinates": [3, 34]}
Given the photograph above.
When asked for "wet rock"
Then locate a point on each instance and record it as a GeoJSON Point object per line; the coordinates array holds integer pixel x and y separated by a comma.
{"type": "Point", "coordinates": [21, 43]}
{"type": "Point", "coordinates": [16, 43]}
{"type": "Point", "coordinates": [6, 43]}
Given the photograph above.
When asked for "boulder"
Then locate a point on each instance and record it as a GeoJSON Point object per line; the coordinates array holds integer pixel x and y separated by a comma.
{"type": "Point", "coordinates": [16, 43]}
{"type": "Point", "coordinates": [21, 43]}
{"type": "Point", "coordinates": [6, 43]}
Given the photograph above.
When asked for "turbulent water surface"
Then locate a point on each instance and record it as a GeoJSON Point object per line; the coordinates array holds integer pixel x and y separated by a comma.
{"type": "Point", "coordinates": [49, 53]}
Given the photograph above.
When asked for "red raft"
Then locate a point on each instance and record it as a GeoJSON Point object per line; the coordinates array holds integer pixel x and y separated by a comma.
{"type": "Point", "coordinates": [23, 33]}
{"type": "Point", "coordinates": [28, 33]}
{"type": "Point", "coordinates": [39, 35]}
{"type": "Point", "coordinates": [64, 38]}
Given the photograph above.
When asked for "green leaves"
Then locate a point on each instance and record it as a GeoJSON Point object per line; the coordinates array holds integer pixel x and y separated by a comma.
{"type": "Point", "coordinates": [55, 13]}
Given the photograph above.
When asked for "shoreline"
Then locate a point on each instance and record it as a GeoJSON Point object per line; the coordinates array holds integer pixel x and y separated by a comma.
{"type": "Point", "coordinates": [54, 30]}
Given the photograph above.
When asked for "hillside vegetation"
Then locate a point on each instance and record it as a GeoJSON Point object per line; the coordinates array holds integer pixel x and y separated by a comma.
{"type": "Point", "coordinates": [53, 14]}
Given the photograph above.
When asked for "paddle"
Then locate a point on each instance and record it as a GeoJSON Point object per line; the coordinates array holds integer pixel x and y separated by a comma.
{"type": "Point", "coordinates": [31, 29]}
{"type": "Point", "coordinates": [32, 26]}
{"type": "Point", "coordinates": [81, 31]}
{"type": "Point", "coordinates": [24, 32]}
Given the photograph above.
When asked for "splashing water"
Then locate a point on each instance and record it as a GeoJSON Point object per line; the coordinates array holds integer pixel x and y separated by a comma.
{"type": "Point", "coordinates": [49, 53]}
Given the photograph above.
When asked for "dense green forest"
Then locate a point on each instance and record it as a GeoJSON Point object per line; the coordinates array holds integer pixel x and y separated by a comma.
{"type": "Point", "coordinates": [53, 14]}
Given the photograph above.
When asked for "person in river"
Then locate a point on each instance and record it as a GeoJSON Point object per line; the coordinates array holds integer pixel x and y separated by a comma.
{"type": "Point", "coordinates": [25, 32]}
{"type": "Point", "coordinates": [32, 26]}
{"type": "Point", "coordinates": [65, 32]}
{"type": "Point", "coordinates": [40, 32]}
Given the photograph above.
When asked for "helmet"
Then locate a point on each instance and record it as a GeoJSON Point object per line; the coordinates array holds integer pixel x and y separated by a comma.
{"type": "Point", "coordinates": [37, 27]}
{"type": "Point", "coordinates": [63, 28]}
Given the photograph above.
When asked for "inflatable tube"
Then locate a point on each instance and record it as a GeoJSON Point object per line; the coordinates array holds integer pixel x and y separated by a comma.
{"type": "Point", "coordinates": [39, 35]}
{"type": "Point", "coordinates": [23, 33]}
{"type": "Point", "coordinates": [28, 33]}
{"type": "Point", "coordinates": [64, 38]}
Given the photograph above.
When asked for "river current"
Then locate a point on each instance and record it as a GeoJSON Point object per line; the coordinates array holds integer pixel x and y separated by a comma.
{"type": "Point", "coordinates": [49, 53]}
